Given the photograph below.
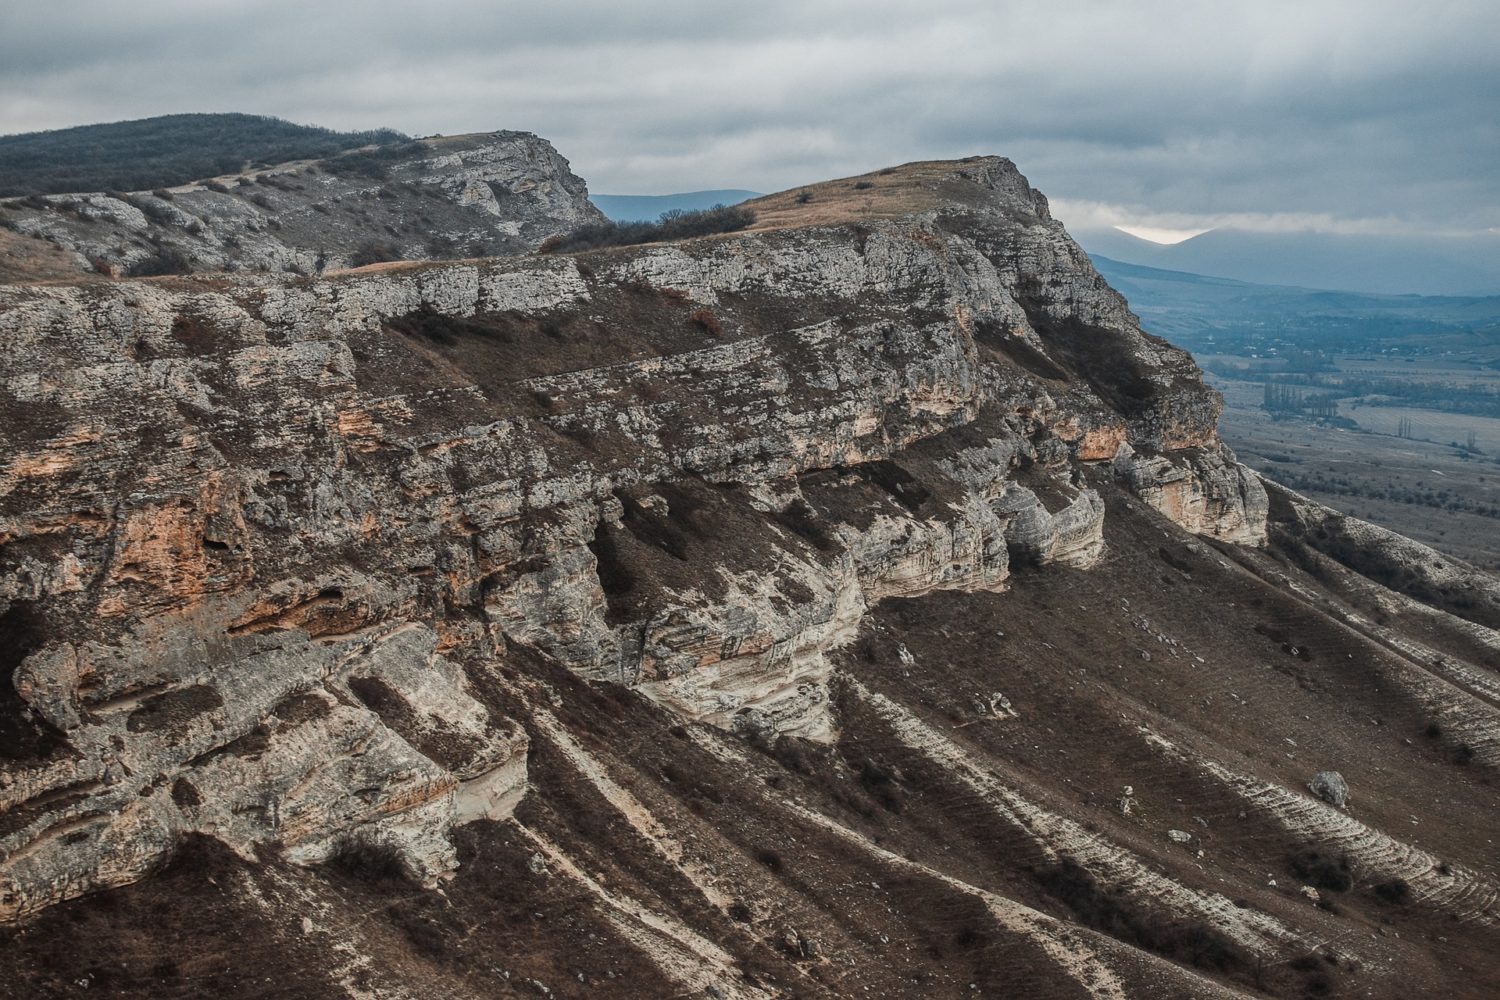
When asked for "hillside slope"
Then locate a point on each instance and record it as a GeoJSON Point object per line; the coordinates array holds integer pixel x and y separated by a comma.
{"type": "Point", "coordinates": [857, 606]}
{"type": "Point", "coordinates": [163, 151]}
{"type": "Point", "coordinates": [458, 196]}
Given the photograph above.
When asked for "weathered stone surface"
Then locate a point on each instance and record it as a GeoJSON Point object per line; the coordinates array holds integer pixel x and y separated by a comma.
{"type": "Point", "coordinates": [822, 647]}
{"type": "Point", "coordinates": [457, 196]}
{"type": "Point", "coordinates": [1331, 787]}
{"type": "Point", "coordinates": [267, 541]}
{"type": "Point", "coordinates": [1207, 492]}
{"type": "Point", "coordinates": [1073, 534]}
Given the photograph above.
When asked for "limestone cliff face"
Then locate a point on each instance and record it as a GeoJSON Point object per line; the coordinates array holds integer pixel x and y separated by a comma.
{"type": "Point", "coordinates": [460, 196]}
{"type": "Point", "coordinates": [858, 605]}
{"type": "Point", "coordinates": [261, 536]}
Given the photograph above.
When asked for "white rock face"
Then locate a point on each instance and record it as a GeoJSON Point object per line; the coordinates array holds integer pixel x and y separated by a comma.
{"type": "Point", "coordinates": [276, 551]}
{"type": "Point", "coordinates": [1072, 535]}
{"type": "Point", "coordinates": [461, 196]}
{"type": "Point", "coordinates": [1208, 493]}
{"type": "Point", "coordinates": [1331, 787]}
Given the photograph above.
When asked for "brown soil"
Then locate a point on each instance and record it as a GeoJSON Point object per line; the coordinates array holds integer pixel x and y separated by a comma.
{"type": "Point", "coordinates": [1266, 683]}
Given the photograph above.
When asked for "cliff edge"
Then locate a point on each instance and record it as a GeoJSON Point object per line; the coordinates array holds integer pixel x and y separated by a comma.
{"type": "Point", "coordinates": [451, 196]}
{"type": "Point", "coordinates": [862, 601]}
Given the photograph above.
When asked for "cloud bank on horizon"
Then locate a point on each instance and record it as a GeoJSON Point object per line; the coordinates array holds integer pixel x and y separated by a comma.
{"type": "Point", "coordinates": [1346, 115]}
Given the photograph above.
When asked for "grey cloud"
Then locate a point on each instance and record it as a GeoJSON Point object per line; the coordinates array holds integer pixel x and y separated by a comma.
{"type": "Point", "coordinates": [1344, 110]}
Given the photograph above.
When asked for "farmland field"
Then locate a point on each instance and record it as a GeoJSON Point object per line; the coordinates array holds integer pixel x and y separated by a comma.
{"type": "Point", "coordinates": [1436, 484]}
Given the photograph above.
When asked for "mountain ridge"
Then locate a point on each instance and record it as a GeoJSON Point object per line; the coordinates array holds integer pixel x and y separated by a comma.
{"type": "Point", "coordinates": [1187, 307]}
{"type": "Point", "coordinates": [1375, 264]}
{"type": "Point", "coordinates": [440, 197]}
{"type": "Point", "coordinates": [163, 151]}
{"type": "Point", "coordinates": [861, 603]}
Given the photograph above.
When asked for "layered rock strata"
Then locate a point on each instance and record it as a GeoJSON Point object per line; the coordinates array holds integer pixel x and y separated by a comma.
{"type": "Point", "coordinates": [443, 197]}
{"type": "Point", "coordinates": [422, 571]}
{"type": "Point", "coordinates": [261, 537]}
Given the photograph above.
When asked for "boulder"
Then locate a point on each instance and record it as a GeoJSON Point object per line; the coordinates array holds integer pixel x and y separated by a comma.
{"type": "Point", "coordinates": [1331, 787]}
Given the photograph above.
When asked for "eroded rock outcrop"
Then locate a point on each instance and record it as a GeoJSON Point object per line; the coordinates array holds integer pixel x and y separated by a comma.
{"type": "Point", "coordinates": [1205, 491]}
{"type": "Point", "coordinates": [442, 197]}
{"type": "Point", "coordinates": [269, 544]}
{"type": "Point", "coordinates": [264, 540]}
{"type": "Point", "coordinates": [783, 612]}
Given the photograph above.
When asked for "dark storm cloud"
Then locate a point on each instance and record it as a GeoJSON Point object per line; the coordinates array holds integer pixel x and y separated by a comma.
{"type": "Point", "coordinates": [1350, 114]}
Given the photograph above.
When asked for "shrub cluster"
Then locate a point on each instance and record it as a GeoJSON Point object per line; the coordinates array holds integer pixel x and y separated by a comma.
{"type": "Point", "coordinates": [1322, 869]}
{"type": "Point", "coordinates": [151, 208]}
{"type": "Point", "coordinates": [1395, 892]}
{"type": "Point", "coordinates": [374, 164]}
{"type": "Point", "coordinates": [373, 252]}
{"type": "Point", "coordinates": [674, 225]}
{"type": "Point", "coordinates": [164, 260]}
{"type": "Point", "coordinates": [1181, 939]}
{"type": "Point", "coordinates": [163, 151]}
{"type": "Point", "coordinates": [704, 318]}
{"type": "Point", "coordinates": [369, 862]}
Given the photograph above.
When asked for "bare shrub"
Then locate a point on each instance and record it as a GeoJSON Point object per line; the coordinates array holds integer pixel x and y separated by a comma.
{"type": "Point", "coordinates": [673, 225]}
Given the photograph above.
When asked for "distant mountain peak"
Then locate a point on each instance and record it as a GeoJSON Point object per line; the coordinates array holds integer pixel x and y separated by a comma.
{"type": "Point", "coordinates": [1162, 236]}
{"type": "Point", "coordinates": [1385, 264]}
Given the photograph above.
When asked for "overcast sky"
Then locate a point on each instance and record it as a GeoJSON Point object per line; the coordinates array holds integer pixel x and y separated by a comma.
{"type": "Point", "coordinates": [1347, 114]}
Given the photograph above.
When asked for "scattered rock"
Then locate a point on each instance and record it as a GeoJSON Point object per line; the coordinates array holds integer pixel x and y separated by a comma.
{"type": "Point", "coordinates": [481, 195]}
{"type": "Point", "coordinates": [796, 944]}
{"type": "Point", "coordinates": [1331, 787]}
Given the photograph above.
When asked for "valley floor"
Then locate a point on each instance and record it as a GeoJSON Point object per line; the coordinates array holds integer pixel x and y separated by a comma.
{"type": "Point", "coordinates": [1421, 486]}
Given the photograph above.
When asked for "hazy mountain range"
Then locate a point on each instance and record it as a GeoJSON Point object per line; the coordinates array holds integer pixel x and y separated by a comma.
{"type": "Point", "coordinates": [1396, 265]}
{"type": "Point", "coordinates": [1201, 312]}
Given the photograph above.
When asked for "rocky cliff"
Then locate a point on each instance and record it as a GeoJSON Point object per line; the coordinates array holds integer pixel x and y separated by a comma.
{"type": "Point", "coordinates": [458, 196]}
{"type": "Point", "coordinates": [862, 604]}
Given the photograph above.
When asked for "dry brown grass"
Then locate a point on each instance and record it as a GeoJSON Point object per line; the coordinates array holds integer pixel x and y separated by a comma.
{"type": "Point", "coordinates": [24, 260]}
{"type": "Point", "coordinates": [450, 141]}
{"type": "Point", "coordinates": [383, 266]}
{"type": "Point", "coordinates": [909, 189]}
